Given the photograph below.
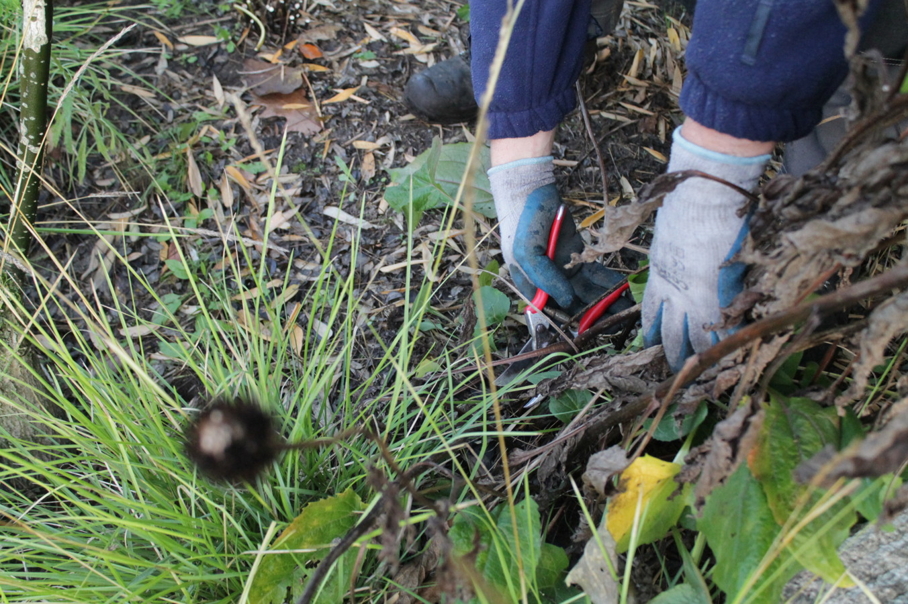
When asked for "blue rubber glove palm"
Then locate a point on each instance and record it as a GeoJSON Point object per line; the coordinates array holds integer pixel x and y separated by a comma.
{"type": "Point", "coordinates": [571, 289]}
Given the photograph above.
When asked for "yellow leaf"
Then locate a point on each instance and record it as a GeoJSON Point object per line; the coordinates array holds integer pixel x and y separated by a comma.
{"type": "Point", "coordinates": [163, 39]}
{"type": "Point", "coordinates": [237, 176]}
{"type": "Point", "coordinates": [405, 35]}
{"type": "Point", "coordinates": [342, 95]}
{"type": "Point", "coordinates": [316, 67]}
{"type": "Point", "coordinates": [591, 220]}
{"type": "Point", "coordinates": [656, 154]}
{"type": "Point", "coordinates": [647, 483]}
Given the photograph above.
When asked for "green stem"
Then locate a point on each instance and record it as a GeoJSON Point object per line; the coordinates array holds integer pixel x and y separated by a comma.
{"type": "Point", "coordinates": [37, 19]}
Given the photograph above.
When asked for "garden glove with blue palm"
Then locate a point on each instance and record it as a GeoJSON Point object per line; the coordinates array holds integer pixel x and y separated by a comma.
{"type": "Point", "coordinates": [526, 201]}
{"type": "Point", "coordinates": [698, 228]}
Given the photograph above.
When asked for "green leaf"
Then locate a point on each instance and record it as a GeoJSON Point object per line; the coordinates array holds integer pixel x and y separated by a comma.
{"type": "Point", "coordinates": [673, 428]}
{"type": "Point", "coordinates": [638, 285]}
{"type": "Point", "coordinates": [495, 304]}
{"type": "Point", "coordinates": [320, 523]}
{"type": "Point", "coordinates": [569, 403]}
{"type": "Point", "coordinates": [794, 430]}
{"type": "Point", "coordinates": [740, 529]}
{"type": "Point", "coordinates": [177, 268]}
{"type": "Point", "coordinates": [497, 558]}
{"type": "Point", "coordinates": [553, 561]}
{"type": "Point", "coordinates": [463, 13]}
{"type": "Point", "coordinates": [488, 275]}
{"type": "Point", "coordinates": [679, 594]}
{"type": "Point", "coordinates": [433, 179]}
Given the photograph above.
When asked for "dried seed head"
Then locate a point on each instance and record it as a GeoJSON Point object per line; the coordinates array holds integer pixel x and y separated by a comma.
{"type": "Point", "coordinates": [232, 441]}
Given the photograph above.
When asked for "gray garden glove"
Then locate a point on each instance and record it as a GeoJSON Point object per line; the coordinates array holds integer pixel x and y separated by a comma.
{"type": "Point", "coordinates": [697, 229]}
{"type": "Point", "coordinates": [526, 201]}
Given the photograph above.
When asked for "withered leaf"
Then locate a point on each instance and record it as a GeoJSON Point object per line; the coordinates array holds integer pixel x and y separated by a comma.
{"type": "Point", "coordinates": [294, 107]}
{"type": "Point", "coordinates": [321, 32]}
{"type": "Point", "coordinates": [732, 440]}
{"type": "Point", "coordinates": [310, 51]}
{"type": "Point", "coordinates": [602, 466]}
{"type": "Point", "coordinates": [886, 322]}
{"type": "Point", "coordinates": [267, 78]}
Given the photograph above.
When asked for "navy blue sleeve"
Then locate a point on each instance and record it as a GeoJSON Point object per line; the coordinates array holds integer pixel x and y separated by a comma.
{"type": "Point", "coordinates": [536, 87]}
{"type": "Point", "coordinates": [762, 70]}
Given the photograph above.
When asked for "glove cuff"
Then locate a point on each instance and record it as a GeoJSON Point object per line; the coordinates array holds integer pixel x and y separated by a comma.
{"type": "Point", "coordinates": [741, 171]}
{"type": "Point", "coordinates": [511, 184]}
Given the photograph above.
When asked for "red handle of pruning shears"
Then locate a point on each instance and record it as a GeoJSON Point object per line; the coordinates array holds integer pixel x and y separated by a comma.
{"type": "Point", "coordinates": [541, 298]}
{"type": "Point", "coordinates": [593, 314]}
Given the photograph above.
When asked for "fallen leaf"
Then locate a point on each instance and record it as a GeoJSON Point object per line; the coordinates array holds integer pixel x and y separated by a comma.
{"type": "Point", "coordinates": [592, 572]}
{"type": "Point", "coordinates": [339, 214]}
{"type": "Point", "coordinates": [281, 219]}
{"type": "Point", "coordinates": [316, 67]}
{"type": "Point", "coordinates": [265, 78]}
{"type": "Point", "coordinates": [193, 175]}
{"type": "Point", "coordinates": [142, 92]}
{"type": "Point", "coordinates": [300, 115]}
{"type": "Point", "coordinates": [199, 40]}
{"type": "Point", "coordinates": [322, 32]}
{"type": "Point", "coordinates": [217, 90]}
{"type": "Point", "coordinates": [656, 154]}
{"type": "Point", "coordinates": [137, 331]}
{"type": "Point", "coordinates": [163, 39]}
{"type": "Point", "coordinates": [374, 34]}
{"type": "Point", "coordinates": [366, 145]}
{"type": "Point", "coordinates": [602, 466]}
{"type": "Point", "coordinates": [405, 35]}
{"type": "Point", "coordinates": [310, 51]}
{"type": "Point", "coordinates": [342, 95]}
{"type": "Point", "coordinates": [368, 168]}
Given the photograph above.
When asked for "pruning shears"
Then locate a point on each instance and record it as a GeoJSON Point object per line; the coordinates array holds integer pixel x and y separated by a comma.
{"type": "Point", "coordinates": [540, 326]}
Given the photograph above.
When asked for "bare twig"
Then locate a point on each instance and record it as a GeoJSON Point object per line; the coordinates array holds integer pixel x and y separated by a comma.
{"type": "Point", "coordinates": [589, 130]}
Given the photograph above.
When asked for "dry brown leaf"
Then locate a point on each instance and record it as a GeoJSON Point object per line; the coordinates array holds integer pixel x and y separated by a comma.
{"type": "Point", "coordinates": [301, 115]}
{"type": "Point", "coordinates": [368, 168]}
{"type": "Point", "coordinates": [316, 67]}
{"type": "Point", "coordinates": [266, 78]}
{"type": "Point", "coordinates": [193, 175]}
{"type": "Point", "coordinates": [591, 572]}
{"type": "Point", "coordinates": [136, 90]}
{"type": "Point", "coordinates": [310, 51]}
{"type": "Point", "coordinates": [602, 466]}
{"type": "Point", "coordinates": [714, 461]}
{"type": "Point", "coordinates": [321, 32]}
{"type": "Point", "coordinates": [887, 321]}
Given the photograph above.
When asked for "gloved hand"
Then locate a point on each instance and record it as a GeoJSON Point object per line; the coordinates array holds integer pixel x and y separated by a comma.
{"type": "Point", "coordinates": [526, 201]}
{"type": "Point", "coordinates": [697, 229]}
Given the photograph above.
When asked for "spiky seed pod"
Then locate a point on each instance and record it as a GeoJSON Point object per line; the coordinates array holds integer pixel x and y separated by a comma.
{"type": "Point", "coordinates": [232, 441]}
